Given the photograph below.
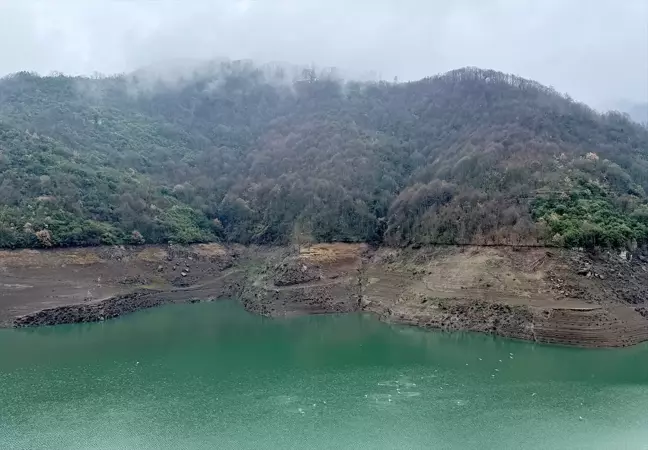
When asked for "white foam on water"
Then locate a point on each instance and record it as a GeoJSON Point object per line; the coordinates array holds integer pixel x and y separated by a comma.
{"type": "Point", "coordinates": [410, 394]}
{"type": "Point", "coordinates": [388, 383]}
{"type": "Point", "coordinates": [380, 399]}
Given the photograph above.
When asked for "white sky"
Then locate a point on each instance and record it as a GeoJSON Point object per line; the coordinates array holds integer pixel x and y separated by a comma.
{"type": "Point", "coordinates": [596, 50]}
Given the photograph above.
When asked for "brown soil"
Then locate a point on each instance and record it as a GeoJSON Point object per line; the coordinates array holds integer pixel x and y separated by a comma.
{"type": "Point", "coordinates": [538, 294]}
{"type": "Point", "coordinates": [89, 284]}
{"type": "Point", "coordinates": [546, 295]}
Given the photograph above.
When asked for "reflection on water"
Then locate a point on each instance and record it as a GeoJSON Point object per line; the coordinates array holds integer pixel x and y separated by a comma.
{"type": "Point", "coordinates": [213, 376]}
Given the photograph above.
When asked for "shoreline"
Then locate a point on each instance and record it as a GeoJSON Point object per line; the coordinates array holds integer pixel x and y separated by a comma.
{"type": "Point", "coordinates": [531, 294]}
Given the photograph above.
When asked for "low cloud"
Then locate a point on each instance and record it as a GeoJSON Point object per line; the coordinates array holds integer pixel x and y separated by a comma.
{"type": "Point", "coordinates": [597, 51]}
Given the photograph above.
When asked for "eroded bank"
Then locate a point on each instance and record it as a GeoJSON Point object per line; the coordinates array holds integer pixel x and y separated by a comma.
{"type": "Point", "coordinates": [546, 295]}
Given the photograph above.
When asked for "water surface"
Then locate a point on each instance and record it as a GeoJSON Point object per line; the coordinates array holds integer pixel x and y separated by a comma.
{"type": "Point", "coordinates": [211, 375]}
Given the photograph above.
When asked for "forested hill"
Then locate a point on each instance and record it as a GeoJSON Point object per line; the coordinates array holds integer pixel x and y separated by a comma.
{"type": "Point", "coordinates": [237, 153]}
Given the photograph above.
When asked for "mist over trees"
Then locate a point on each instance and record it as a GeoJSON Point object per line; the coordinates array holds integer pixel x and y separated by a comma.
{"type": "Point", "coordinates": [239, 153]}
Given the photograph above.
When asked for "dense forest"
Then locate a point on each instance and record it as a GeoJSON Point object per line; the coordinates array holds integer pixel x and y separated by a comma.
{"type": "Point", "coordinates": [239, 153]}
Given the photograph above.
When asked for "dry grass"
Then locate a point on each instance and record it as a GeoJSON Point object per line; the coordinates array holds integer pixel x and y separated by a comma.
{"type": "Point", "coordinates": [20, 258]}
{"type": "Point", "coordinates": [48, 258]}
{"type": "Point", "coordinates": [152, 254]}
{"type": "Point", "coordinates": [332, 253]}
{"type": "Point", "coordinates": [79, 257]}
{"type": "Point", "coordinates": [212, 249]}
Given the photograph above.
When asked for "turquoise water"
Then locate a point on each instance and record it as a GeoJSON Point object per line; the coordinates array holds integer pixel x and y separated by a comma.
{"type": "Point", "coordinates": [212, 376]}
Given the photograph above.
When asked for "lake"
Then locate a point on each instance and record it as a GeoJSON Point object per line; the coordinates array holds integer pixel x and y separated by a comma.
{"type": "Point", "coordinates": [211, 375]}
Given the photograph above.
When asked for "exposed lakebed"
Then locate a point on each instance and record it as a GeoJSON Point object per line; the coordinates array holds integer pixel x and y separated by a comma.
{"type": "Point", "coordinates": [212, 375]}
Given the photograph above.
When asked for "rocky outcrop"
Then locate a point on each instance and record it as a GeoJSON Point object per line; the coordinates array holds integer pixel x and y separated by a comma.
{"type": "Point", "coordinates": [293, 270]}
{"type": "Point", "coordinates": [340, 296]}
{"type": "Point", "coordinates": [311, 283]}
{"type": "Point", "coordinates": [92, 312]}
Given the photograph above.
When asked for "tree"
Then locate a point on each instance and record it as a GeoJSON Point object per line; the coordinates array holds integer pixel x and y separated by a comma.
{"type": "Point", "coordinates": [237, 153]}
{"type": "Point", "coordinates": [44, 238]}
{"type": "Point", "coordinates": [136, 238]}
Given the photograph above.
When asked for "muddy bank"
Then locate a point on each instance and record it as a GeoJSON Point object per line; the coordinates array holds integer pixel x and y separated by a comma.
{"type": "Point", "coordinates": [226, 286]}
{"type": "Point", "coordinates": [545, 295]}
{"type": "Point", "coordinates": [93, 284]}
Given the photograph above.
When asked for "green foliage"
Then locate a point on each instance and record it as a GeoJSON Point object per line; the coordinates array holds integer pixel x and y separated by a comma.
{"type": "Point", "coordinates": [241, 153]}
{"type": "Point", "coordinates": [46, 186]}
{"type": "Point", "coordinates": [185, 225]}
{"type": "Point", "coordinates": [589, 218]}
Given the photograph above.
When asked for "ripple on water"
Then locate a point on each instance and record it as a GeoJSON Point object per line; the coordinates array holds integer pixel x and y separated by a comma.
{"type": "Point", "coordinates": [401, 383]}
{"type": "Point", "coordinates": [380, 399]}
{"type": "Point", "coordinates": [389, 383]}
{"type": "Point", "coordinates": [219, 385]}
{"type": "Point", "coordinates": [410, 394]}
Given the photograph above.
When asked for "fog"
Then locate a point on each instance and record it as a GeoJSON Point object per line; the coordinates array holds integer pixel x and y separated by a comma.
{"type": "Point", "coordinates": [596, 50]}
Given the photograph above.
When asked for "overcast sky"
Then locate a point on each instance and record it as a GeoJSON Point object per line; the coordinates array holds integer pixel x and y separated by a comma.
{"type": "Point", "coordinates": [596, 50]}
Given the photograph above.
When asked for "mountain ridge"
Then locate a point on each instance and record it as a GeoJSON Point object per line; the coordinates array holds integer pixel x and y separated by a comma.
{"type": "Point", "coordinates": [468, 157]}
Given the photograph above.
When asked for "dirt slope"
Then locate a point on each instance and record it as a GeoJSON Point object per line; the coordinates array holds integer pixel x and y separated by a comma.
{"type": "Point", "coordinates": [531, 294]}
{"type": "Point", "coordinates": [547, 295]}
{"type": "Point", "coordinates": [95, 283]}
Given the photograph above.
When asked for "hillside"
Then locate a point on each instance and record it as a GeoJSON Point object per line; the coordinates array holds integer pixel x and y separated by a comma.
{"type": "Point", "coordinates": [236, 153]}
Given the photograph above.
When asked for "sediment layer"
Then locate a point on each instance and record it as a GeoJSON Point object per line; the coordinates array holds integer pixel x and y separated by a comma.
{"type": "Point", "coordinates": [539, 294]}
